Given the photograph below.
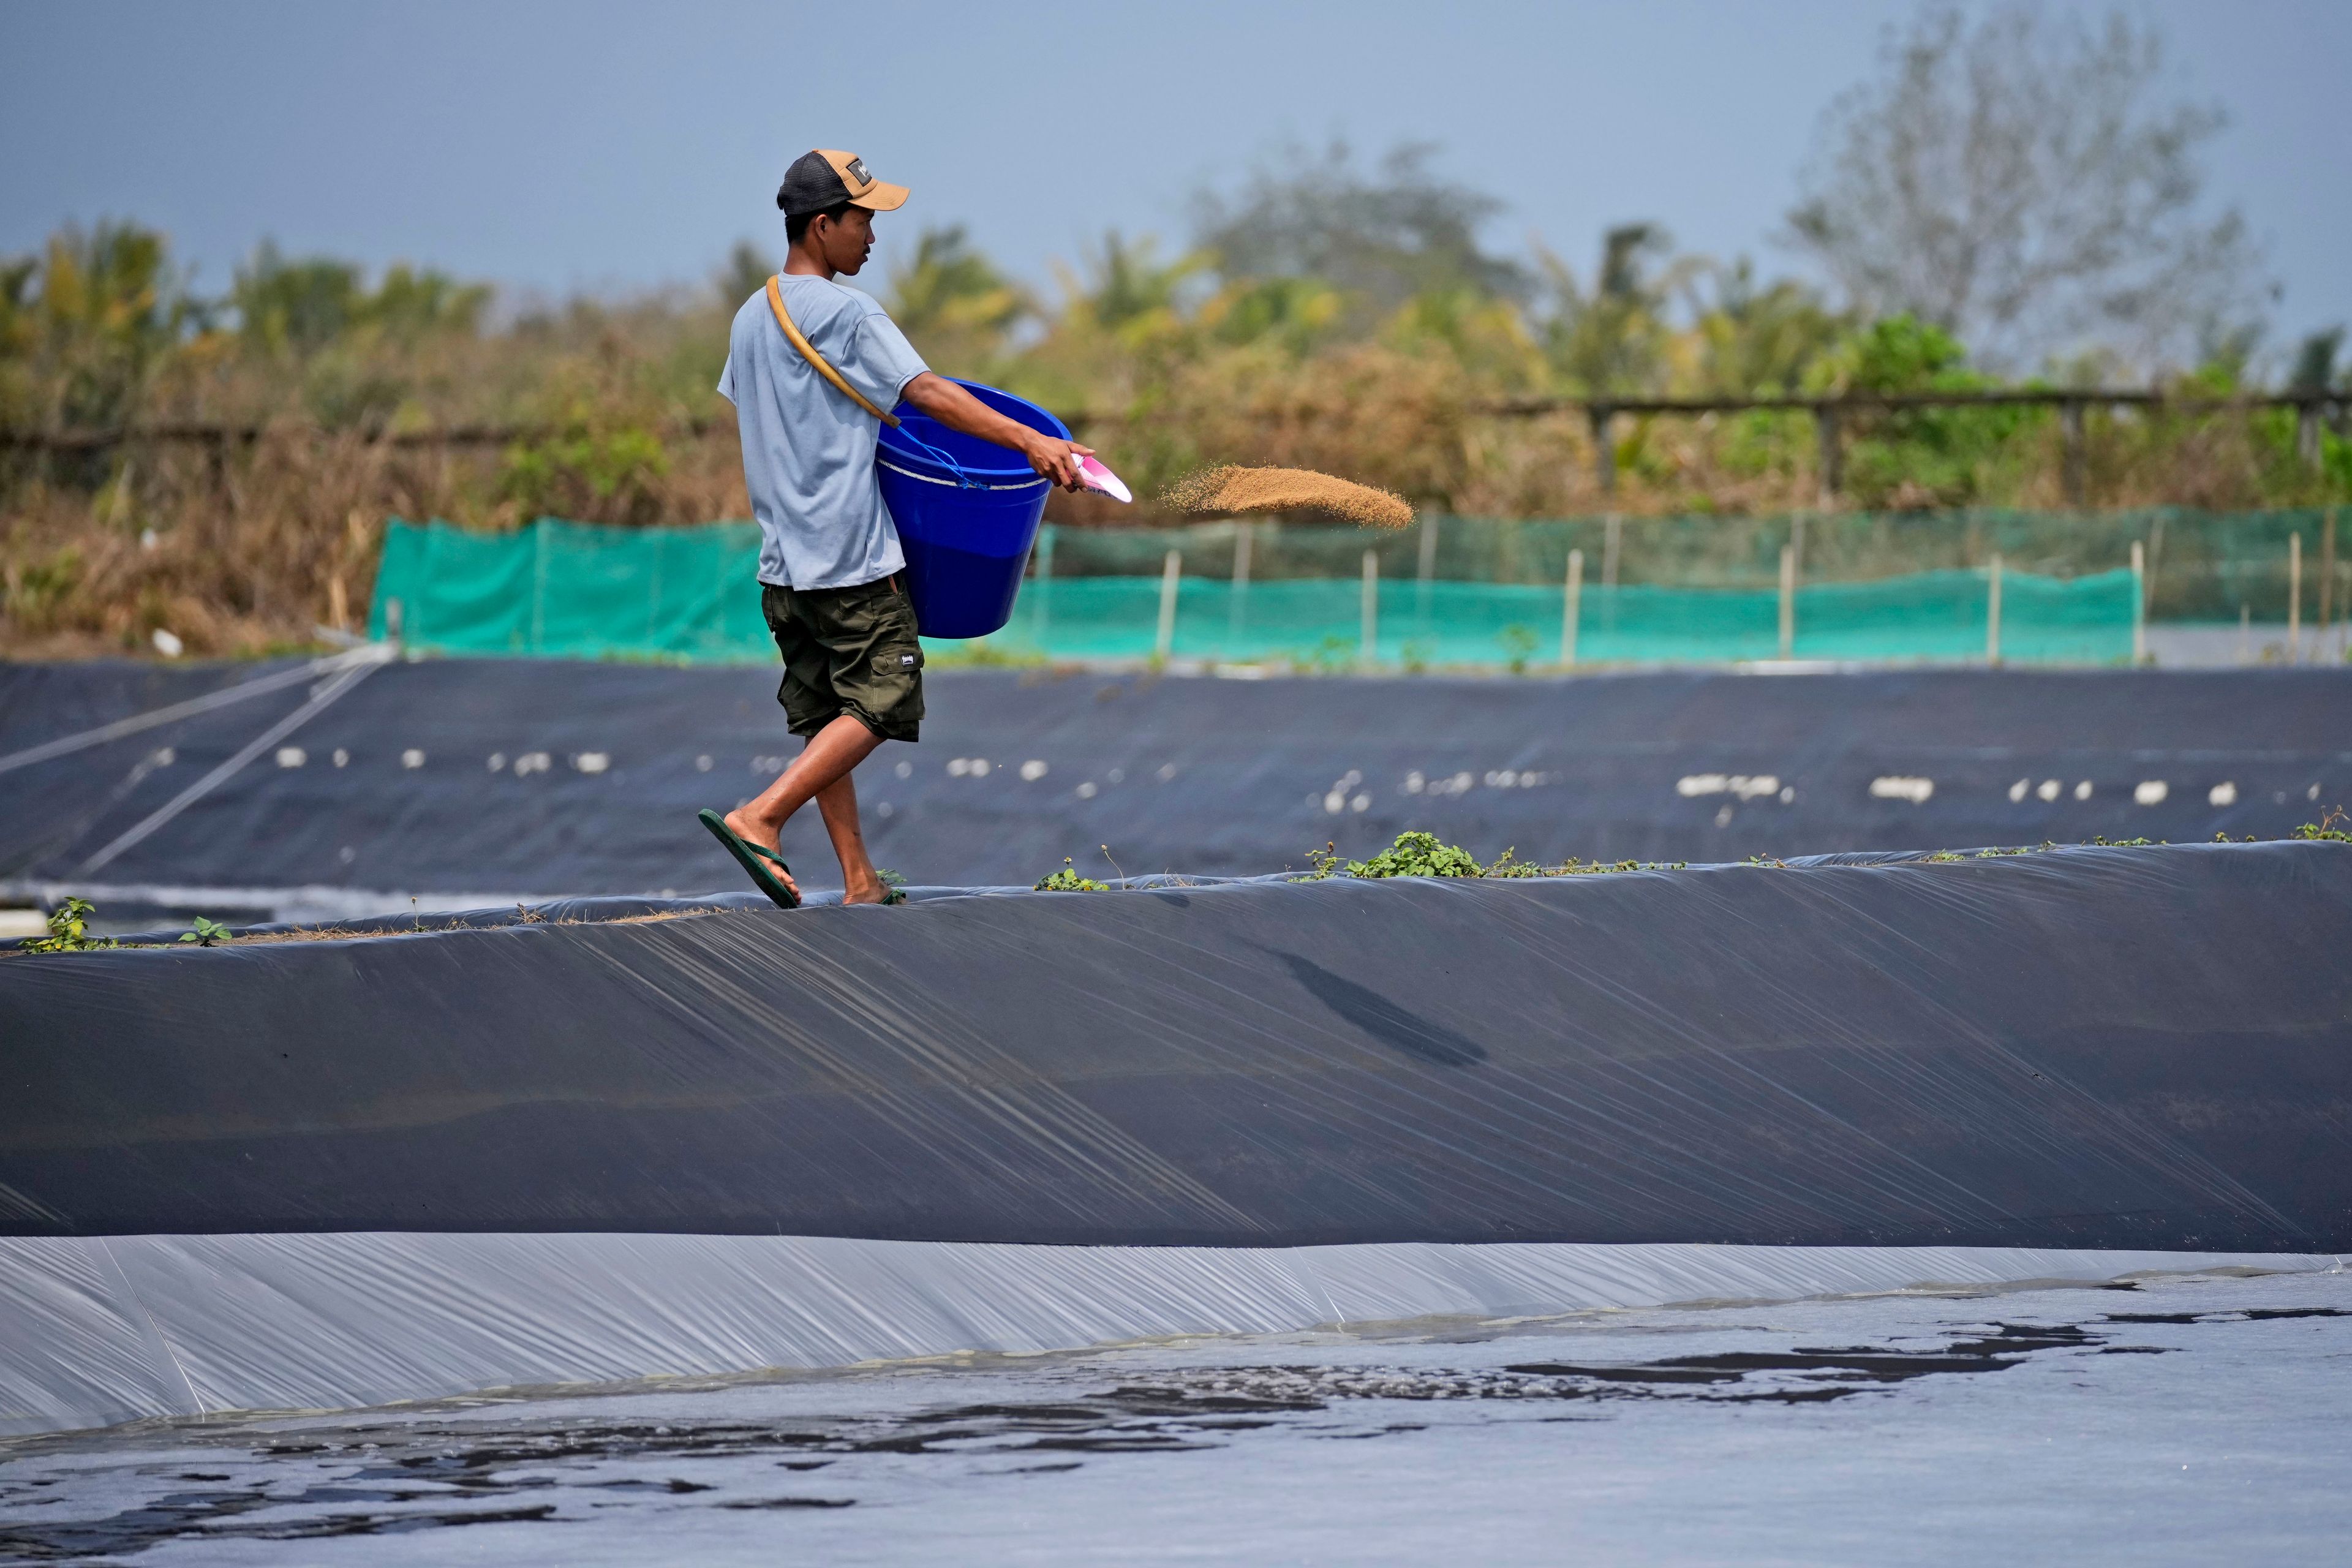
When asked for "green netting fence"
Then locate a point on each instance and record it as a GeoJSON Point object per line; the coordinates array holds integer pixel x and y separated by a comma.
{"type": "Point", "coordinates": [559, 589]}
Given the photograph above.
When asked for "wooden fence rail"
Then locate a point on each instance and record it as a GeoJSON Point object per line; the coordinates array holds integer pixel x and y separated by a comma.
{"type": "Point", "coordinates": [1829, 415]}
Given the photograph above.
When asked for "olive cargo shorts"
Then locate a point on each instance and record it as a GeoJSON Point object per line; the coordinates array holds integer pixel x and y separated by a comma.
{"type": "Point", "coordinates": [848, 650]}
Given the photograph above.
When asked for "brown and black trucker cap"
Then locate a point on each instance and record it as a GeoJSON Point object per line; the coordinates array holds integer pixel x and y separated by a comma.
{"type": "Point", "coordinates": [825, 178]}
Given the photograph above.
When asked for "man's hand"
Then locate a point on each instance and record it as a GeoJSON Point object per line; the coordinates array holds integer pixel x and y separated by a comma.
{"type": "Point", "coordinates": [952, 406]}
{"type": "Point", "coordinates": [1056, 459]}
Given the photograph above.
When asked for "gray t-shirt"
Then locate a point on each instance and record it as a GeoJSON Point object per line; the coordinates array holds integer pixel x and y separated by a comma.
{"type": "Point", "coordinates": [808, 451]}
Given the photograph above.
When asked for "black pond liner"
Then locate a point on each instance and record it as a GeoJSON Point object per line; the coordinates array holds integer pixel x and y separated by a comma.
{"type": "Point", "coordinates": [2089, 1048]}
{"type": "Point", "coordinates": [471, 776]}
{"type": "Point", "coordinates": [601, 1140]}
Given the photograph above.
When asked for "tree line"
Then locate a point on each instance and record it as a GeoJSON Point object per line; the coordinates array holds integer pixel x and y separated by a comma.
{"type": "Point", "coordinates": [2005, 201]}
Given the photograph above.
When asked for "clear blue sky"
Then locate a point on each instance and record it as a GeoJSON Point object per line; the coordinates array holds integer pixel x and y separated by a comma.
{"type": "Point", "coordinates": [611, 146]}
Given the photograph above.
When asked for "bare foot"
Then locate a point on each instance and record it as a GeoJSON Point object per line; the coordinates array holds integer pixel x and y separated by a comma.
{"type": "Point", "coordinates": [866, 889]}
{"type": "Point", "coordinates": [751, 831]}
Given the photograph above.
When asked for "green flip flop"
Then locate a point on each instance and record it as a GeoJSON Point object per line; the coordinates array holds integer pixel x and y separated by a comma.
{"type": "Point", "coordinates": [749, 856]}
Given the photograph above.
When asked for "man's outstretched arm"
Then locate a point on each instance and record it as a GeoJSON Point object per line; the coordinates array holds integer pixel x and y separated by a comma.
{"type": "Point", "coordinates": [957, 409]}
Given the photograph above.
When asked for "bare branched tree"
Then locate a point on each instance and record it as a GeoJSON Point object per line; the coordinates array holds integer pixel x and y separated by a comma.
{"type": "Point", "coordinates": [2016, 183]}
{"type": "Point", "coordinates": [1383, 235]}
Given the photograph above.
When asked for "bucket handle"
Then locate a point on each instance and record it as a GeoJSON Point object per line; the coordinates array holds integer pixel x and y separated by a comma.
{"type": "Point", "coordinates": [824, 367]}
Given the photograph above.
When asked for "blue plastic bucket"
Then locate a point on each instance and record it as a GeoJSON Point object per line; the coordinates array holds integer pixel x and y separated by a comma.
{"type": "Point", "coordinates": [966, 527]}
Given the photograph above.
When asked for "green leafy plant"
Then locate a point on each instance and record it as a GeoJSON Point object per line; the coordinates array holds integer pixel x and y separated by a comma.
{"type": "Point", "coordinates": [891, 879]}
{"type": "Point", "coordinates": [1418, 855]}
{"type": "Point", "coordinates": [206, 933]}
{"type": "Point", "coordinates": [1421, 854]}
{"type": "Point", "coordinates": [1518, 645]}
{"type": "Point", "coordinates": [1067, 880]}
{"type": "Point", "coordinates": [2325, 828]}
{"type": "Point", "coordinates": [69, 929]}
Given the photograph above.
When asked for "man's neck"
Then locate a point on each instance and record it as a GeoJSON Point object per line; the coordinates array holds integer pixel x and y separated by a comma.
{"type": "Point", "coordinates": [799, 263]}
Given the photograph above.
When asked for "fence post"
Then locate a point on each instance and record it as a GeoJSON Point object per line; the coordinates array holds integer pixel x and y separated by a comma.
{"type": "Point", "coordinates": [1604, 451]}
{"type": "Point", "coordinates": [1371, 649]}
{"type": "Point", "coordinates": [1170, 573]}
{"type": "Point", "coordinates": [2139, 603]}
{"type": "Point", "coordinates": [1237, 604]}
{"type": "Point", "coordinates": [2070, 421]}
{"type": "Point", "coordinates": [1044, 564]}
{"type": "Point", "coordinates": [1992, 611]}
{"type": "Point", "coordinates": [1831, 454]}
{"type": "Point", "coordinates": [2295, 598]}
{"type": "Point", "coordinates": [1788, 601]}
{"type": "Point", "coordinates": [1612, 538]}
{"type": "Point", "coordinates": [2307, 433]}
{"type": "Point", "coordinates": [1568, 616]}
{"type": "Point", "coordinates": [2326, 578]}
{"type": "Point", "coordinates": [1428, 562]}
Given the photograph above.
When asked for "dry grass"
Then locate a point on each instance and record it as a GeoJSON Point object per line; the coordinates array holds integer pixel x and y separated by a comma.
{"type": "Point", "coordinates": [250, 555]}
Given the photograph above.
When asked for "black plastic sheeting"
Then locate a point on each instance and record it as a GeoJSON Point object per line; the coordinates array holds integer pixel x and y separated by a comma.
{"type": "Point", "coordinates": [2083, 1048]}
{"type": "Point", "coordinates": [1195, 775]}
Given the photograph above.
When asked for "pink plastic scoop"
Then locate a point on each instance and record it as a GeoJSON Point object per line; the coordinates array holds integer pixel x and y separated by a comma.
{"type": "Point", "coordinates": [1098, 477]}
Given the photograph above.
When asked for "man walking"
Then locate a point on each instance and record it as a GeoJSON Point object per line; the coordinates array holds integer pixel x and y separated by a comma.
{"type": "Point", "coordinates": [829, 556]}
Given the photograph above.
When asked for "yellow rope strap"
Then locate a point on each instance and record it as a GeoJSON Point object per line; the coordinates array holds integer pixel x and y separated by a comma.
{"type": "Point", "coordinates": [808, 352]}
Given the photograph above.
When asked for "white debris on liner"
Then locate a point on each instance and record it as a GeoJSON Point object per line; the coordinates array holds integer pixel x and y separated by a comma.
{"type": "Point", "coordinates": [1899, 786]}
{"type": "Point", "coordinates": [1745, 787]}
{"type": "Point", "coordinates": [498, 761]}
{"type": "Point", "coordinates": [592, 761]}
{"type": "Point", "coordinates": [2150, 792]}
{"type": "Point", "coordinates": [967, 767]}
{"type": "Point", "coordinates": [2222, 794]}
{"type": "Point", "coordinates": [1033, 770]}
{"type": "Point", "coordinates": [1167, 772]}
{"type": "Point", "coordinates": [1086, 791]}
{"type": "Point", "coordinates": [167, 644]}
{"type": "Point", "coordinates": [702, 765]}
{"type": "Point", "coordinates": [291, 756]}
{"type": "Point", "coordinates": [2083, 790]}
{"type": "Point", "coordinates": [1415, 783]}
{"type": "Point", "coordinates": [2049, 790]}
{"type": "Point", "coordinates": [532, 762]}
{"type": "Point", "coordinates": [905, 770]}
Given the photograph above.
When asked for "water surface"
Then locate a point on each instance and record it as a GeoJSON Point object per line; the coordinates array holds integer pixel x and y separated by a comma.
{"type": "Point", "coordinates": [2161, 1422]}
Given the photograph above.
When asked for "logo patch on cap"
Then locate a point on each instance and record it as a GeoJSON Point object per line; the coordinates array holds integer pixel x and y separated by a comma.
{"type": "Point", "coordinates": [856, 171]}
